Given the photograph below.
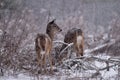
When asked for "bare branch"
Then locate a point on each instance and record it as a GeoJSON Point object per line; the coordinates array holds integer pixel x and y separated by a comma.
{"type": "Point", "coordinates": [60, 42]}
{"type": "Point", "coordinates": [99, 47]}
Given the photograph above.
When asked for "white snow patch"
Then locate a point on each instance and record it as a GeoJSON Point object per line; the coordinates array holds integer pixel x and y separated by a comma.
{"type": "Point", "coordinates": [1, 32]}
{"type": "Point", "coordinates": [110, 73]}
{"type": "Point", "coordinates": [19, 77]}
{"type": "Point", "coordinates": [67, 74]}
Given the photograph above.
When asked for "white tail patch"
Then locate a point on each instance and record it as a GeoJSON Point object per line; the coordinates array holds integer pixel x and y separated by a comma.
{"type": "Point", "coordinates": [39, 42]}
{"type": "Point", "coordinates": [79, 39]}
{"type": "Point", "coordinates": [42, 52]}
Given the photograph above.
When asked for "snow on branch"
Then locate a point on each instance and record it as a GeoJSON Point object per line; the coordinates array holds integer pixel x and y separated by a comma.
{"type": "Point", "coordinates": [89, 63]}
{"type": "Point", "coordinates": [99, 47]}
{"type": "Point", "coordinates": [88, 50]}
{"type": "Point", "coordinates": [60, 42]}
{"type": "Point", "coordinates": [68, 45]}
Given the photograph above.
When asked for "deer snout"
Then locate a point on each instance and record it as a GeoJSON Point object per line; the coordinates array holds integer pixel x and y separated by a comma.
{"type": "Point", "coordinates": [60, 30]}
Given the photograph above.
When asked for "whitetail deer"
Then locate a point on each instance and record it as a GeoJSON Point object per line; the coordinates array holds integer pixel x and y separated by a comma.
{"type": "Point", "coordinates": [74, 36]}
{"type": "Point", "coordinates": [43, 44]}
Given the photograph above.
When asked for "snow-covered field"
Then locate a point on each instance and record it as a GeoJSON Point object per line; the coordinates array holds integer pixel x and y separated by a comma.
{"type": "Point", "coordinates": [19, 77]}
{"type": "Point", "coordinates": [107, 75]}
{"type": "Point", "coordinates": [69, 75]}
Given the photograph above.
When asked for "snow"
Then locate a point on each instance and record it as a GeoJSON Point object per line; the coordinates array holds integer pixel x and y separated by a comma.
{"type": "Point", "coordinates": [63, 75]}
{"type": "Point", "coordinates": [107, 74]}
{"type": "Point", "coordinates": [1, 32]}
{"type": "Point", "coordinates": [19, 77]}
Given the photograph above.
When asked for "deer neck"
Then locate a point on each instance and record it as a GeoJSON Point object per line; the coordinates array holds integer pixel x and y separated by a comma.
{"type": "Point", "coordinates": [50, 34]}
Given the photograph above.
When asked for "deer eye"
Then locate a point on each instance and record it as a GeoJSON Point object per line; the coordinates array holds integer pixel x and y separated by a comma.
{"type": "Point", "coordinates": [55, 25]}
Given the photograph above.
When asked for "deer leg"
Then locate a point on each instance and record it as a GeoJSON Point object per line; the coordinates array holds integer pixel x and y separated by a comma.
{"type": "Point", "coordinates": [81, 50]}
{"type": "Point", "coordinates": [82, 47]}
{"type": "Point", "coordinates": [40, 63]}
{"type": "Point", "coordinates": [78, 53]}
{"type": "Point", "coordinates": [49, 57]}
{"type": "Point", "coordinates": [39, 60]}
{"type": "Point", "coordinates": [38, 57]}
{"type": "Point", "coordinates": [44, 62]}
{"type": "Point", "coordinates": [50, 61]}
{"type": "Point", "coordinates": [77, 50]}
{"type": "Point", "coordinates": [42, 66]}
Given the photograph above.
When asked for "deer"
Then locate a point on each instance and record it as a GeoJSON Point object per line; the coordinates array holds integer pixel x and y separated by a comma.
{"type": "Point", "coordinates": [76, 37]}
{"type": "Point", "coordinates": [43, 44]}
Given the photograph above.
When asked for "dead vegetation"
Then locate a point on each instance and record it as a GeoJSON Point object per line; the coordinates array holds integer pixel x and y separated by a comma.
{"type": "Point", "coordinates": [18, 30]}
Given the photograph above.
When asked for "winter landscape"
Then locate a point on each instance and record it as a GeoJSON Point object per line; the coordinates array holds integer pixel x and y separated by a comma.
{"type": "Point", "coordinates": [22, 20]}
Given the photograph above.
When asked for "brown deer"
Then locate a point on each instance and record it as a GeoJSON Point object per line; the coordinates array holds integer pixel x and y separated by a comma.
{"type": "Point", "coordinates": [43, 44]}
{"type": "Point", "coordinates": [76, 37]}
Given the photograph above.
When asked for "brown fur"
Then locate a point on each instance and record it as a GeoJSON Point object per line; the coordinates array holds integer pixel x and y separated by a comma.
{"type": "Point", "coordinates": [43, 43]}
{"type": "Point", "coordinates": [71, 37]}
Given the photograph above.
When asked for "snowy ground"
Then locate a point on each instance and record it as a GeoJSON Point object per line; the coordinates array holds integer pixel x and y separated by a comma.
{"type": "Point", "coordinates": [68, 75]}
{"type": "Point", "coordinates": [19, 77]}
{"type": "Point", "coordinates": [108, 75]}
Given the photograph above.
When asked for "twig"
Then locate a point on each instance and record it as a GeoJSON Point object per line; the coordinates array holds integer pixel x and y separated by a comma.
{"type": "Point", "coordinates": [60, 42]}
{"type": "Point", "coordinates": [69, 45]}
{"type": "Point", "coordinates": [99, 47]}
{"type": "Point", "coordinates": [86, 64]}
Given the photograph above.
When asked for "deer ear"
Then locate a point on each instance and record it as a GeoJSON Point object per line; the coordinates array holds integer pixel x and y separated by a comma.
{"type": "Point", "coordinates": [52, 21]}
